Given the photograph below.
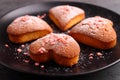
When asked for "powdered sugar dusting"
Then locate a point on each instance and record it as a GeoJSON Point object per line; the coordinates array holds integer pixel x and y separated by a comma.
{"type": "Point", "coordinates": [52, 40]}
{"type": "Point", "coordinates": [65, 13]}
{"type": "Point", "coordinates": [57, 43]}
{"type": "Point", "coordinates": [55, 38]}
{"type": "Point", "coordinates": [96, 27]}
{"type": "Point", "coordinates": [26, 24]}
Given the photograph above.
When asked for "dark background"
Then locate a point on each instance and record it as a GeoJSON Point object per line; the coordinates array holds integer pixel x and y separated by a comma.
{"type": "Point", "coordinates": [112, 73]}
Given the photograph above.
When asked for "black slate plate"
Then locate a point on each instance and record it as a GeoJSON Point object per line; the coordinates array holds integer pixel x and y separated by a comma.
{"type": "Point", "coordinates": [10, 58]}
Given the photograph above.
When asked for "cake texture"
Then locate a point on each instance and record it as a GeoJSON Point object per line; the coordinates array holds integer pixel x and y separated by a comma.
{"type": "Point", "coordinates": [65, 16]}
{"type": "Point", "coordinates": [95, 31]}
{"type": "Point", "coordinates": [61, 48]}
{"type": "Point", "coordinates": [27, 28]}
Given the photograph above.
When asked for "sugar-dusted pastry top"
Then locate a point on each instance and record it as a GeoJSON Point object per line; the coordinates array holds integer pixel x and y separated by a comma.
{"type": "Point", "coordinates": [65, 13]}
{"type": "Point", "coordinates": [96, 27]}
{"type": "Point", "coordinates": [60, 44]}
{"type": "Point", "coordinates": [27, 23]}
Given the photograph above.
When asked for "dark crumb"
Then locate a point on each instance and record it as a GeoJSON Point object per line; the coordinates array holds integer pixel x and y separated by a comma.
{"type": "Point", "coordinates": [52, 25]}
{"type": "Point", "coordinates": [101, 56]}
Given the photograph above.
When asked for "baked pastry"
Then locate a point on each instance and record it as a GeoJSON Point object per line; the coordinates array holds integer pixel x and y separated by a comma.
{"type": "Point", "coordinates": [65, 16]}
{"type": "Point", "coordinates": [27, 28]}
{"type": "Point", "coordinates": [95, 31]}
{"type": "Point", "coordinates": [61, 48]}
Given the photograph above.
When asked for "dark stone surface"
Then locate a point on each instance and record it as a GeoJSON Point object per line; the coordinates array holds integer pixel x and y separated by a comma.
{"type": "Point", "coordinates": [112, 73]}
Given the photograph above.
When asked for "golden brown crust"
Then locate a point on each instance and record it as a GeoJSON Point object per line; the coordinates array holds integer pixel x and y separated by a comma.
{"type": "Point", "coordinates": [65, 61]}
{"type": "Point", "coordinates": [27, 28]}
{"type": "Point", "coordinates": [28, 36]}
{"type": "Point", "coordinates": [66, 16]}
{"type": "Point", "coordinates": [95, 31]}
{"type": "Point", "coordinates": [60, 44]}
{"type": "Point", "coordinates": [93, 42]}
{"type": "Point", "coordinates": [41, 58]}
